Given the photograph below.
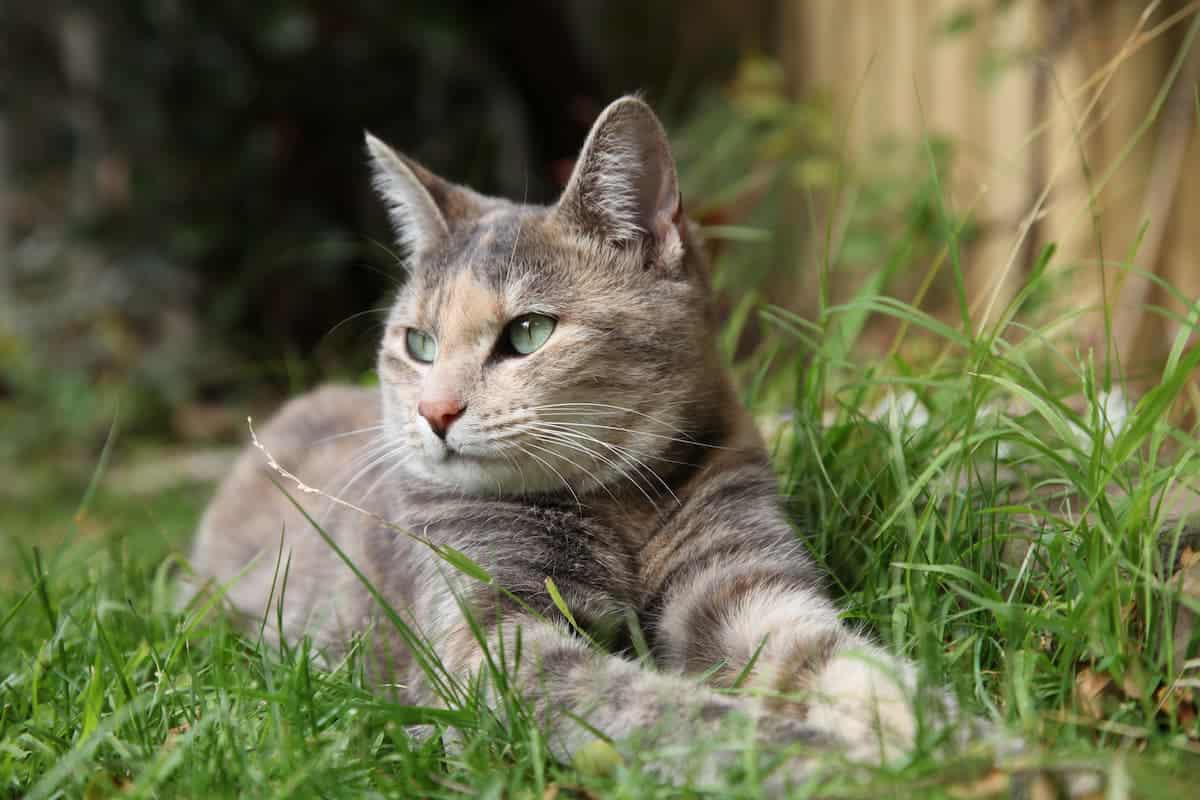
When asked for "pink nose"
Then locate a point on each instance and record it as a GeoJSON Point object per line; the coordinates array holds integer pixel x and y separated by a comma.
{"type": "Point", "coordinates": [441, 413]}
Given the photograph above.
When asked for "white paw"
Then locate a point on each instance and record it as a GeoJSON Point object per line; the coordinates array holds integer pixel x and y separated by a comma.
{"type": "Point", "coordinates": [865, 699]}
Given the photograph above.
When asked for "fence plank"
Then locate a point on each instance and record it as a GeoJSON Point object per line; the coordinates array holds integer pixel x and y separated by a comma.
{"type": "Point", "coordinates": [980, 88]}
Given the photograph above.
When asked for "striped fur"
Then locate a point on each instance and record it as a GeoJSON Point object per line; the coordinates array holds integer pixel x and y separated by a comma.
{"type": "Point", "coordinates": [615, 461]}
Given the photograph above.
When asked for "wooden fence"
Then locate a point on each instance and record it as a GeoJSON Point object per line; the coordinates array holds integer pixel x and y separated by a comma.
{"type": "Point", "coordinates": [1073, 122]}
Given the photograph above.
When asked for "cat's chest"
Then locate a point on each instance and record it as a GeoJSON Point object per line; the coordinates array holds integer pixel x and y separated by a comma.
{"type": "Point", "coordinates": [521, 545]}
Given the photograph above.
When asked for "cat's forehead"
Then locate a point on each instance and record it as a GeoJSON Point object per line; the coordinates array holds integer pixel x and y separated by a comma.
{"type": "Point", "coordinates": [503, 241]}
{"type": "Point", "coordinates": [518, 254]}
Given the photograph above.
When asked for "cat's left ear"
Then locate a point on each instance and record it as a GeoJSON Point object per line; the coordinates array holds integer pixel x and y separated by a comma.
{"type": "Point", "coordinates": [423, 208]}
{"type": "Point", "coordinates": [624, 188]}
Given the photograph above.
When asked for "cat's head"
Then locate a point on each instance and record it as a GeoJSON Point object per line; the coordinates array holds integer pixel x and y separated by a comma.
{"type": "Point", "coordinates": [541, 349]}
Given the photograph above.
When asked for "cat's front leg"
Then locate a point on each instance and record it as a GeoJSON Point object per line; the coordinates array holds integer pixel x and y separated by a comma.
{"type": "Point", "coordinates": [759, 616]}
{"type": "Point", "coordinates": [682, 731]}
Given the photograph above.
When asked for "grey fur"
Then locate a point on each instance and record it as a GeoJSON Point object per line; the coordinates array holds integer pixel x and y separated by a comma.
{"type": "Point", "coordinates": [616, 461]}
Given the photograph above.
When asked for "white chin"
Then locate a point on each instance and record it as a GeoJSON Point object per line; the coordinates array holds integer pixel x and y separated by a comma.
{"type": "Point", "coordinates": [483, 476]}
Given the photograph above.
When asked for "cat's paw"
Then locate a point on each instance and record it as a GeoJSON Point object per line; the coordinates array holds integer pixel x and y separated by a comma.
{"type": "Point", "coordinates": [874, 704]}
{"type": "Point", "coordinates": [865, 700]}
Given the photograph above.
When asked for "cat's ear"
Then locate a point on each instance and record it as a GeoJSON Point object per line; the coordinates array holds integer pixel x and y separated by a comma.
{"type": "Point", "coordinates": [624, 188]}
{"type": "Point", "coordinates": [421, 206]}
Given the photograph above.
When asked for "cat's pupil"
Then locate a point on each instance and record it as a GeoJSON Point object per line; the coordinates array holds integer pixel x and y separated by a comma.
{"type": "Point", "coordinates": [421, 346]}
{"type": "Point", "coordinates": [529, 332]}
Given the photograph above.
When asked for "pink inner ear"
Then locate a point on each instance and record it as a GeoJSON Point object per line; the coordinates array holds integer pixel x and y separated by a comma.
{"type": "Point", "coordinates": [663, 228]}
{"type": "Point", "coordinates": [666, 224]}
{"type": "Point", "coordinates": [624, 185]}
{"type": "Point", "coordinates": [669, 214]}
{"type": "Point", "coordinates": [667, 209]}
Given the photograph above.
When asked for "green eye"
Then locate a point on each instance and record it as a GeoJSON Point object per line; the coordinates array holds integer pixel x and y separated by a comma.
{"type": "Point", "coordinates": [421, 346]}
{"type": "Point", "coordinates": [529, 332]}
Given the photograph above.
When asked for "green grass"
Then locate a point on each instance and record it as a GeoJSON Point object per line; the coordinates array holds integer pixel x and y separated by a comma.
{"type": "Point", "coordinates": [105, 689]}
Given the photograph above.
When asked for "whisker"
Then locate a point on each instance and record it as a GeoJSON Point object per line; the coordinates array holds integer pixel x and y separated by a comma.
{"type": "Point", "coordinates": [509, 430]}
{"type": "Point", "coordinates": [375, 448]}
{"type": "Point", "coordinates": [407, 456]}
{"type": "Point", "coordinates": [632, 451]}
{"type": "Point", "coordinates": [575, 463]}
{"type": "Point", "coordinates": [632, 463]}
{"type": "Point", "coordinates": [550, 467]}
{"type": "Point", "coordinates": [517, 465]}
{"type": "Point", "coordinates": [551, 406]}
{"type": "Point", "coordinates": [369, 450]}
{"type": "Point", "coordinates": [579, 411]}
{"type": "Point", "coordinates": [512, 257]}
{"type": "Point", "coordinates": [623, 453]}
{"type": "Point", "coordinates": [664, 437]}
{"type": "Point", "coordinates": [379, 310]}
{"type": "Point", "coordinates": [334, 436]}
{"type": "Point", "coordinates": [382, 456]}
{"type": "Point", "coordinates": [593, 454]}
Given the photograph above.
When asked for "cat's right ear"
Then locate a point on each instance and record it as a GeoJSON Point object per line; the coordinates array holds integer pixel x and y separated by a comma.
{"type": "Point", "coordinates": [624, 188]}
{"type": "Point", "coordinates": [410, 192]}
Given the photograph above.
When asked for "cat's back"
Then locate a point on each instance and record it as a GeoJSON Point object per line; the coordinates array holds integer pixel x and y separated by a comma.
{"type": "Point", "coordinates": [317, 422]}
{"type": "Point", "coordinates": [315, 436]}
{"type": "Point", "coordinates": [318, 437]}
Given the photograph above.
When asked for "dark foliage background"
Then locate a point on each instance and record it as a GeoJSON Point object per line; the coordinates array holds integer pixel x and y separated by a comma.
{"type": "Point", "coordinates": [187, 219]}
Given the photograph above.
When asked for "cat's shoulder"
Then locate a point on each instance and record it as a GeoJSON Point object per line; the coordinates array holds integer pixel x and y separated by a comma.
{"type": "Point", "coordinates": [328, 410]}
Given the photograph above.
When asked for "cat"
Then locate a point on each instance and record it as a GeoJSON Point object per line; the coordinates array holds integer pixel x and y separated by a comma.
{"type": "Point", "coordinates": [552, 404]}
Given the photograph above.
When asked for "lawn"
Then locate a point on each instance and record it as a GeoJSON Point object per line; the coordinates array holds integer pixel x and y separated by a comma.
{"type": "Point", "coordinates": [1006, 507]}
{"type": "Point", "coordinates": [991, 491]}
{"type": "Point", "coordinates": [1011, 536]}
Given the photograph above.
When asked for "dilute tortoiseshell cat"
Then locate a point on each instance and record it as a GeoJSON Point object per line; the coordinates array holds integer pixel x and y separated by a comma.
{"type": "Point", "coordinates": [552, 404]}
